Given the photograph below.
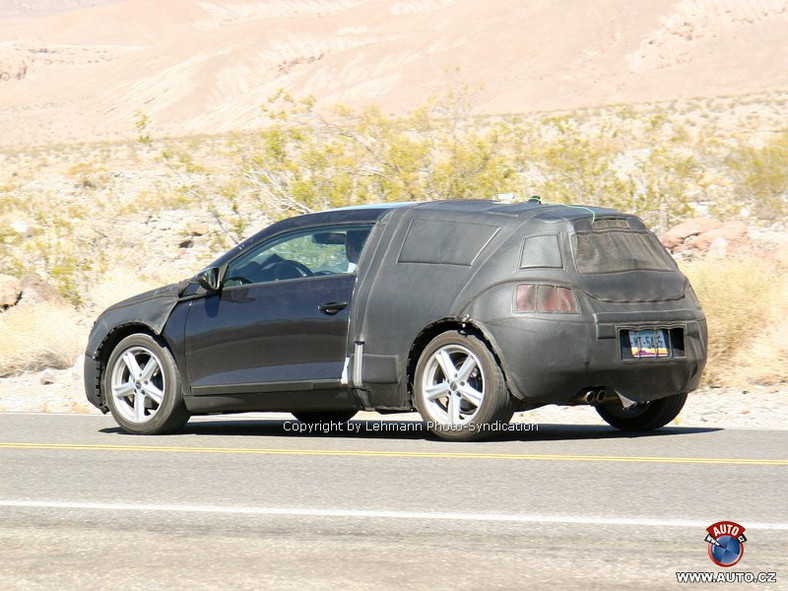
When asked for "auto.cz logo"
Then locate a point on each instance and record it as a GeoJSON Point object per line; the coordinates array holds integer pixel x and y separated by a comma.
{"type": "Point", "coordinates": [726, 543]}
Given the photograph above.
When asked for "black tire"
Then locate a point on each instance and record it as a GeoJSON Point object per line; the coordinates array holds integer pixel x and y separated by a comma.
{"type": "Point", "coordinates": [142, 387]}
{"type": "Point", "coordinates": [644, 416]}
{"type": "Point", "coordinates": [470, 403]}
{"type": "Point", "coordinates": [328, 416]}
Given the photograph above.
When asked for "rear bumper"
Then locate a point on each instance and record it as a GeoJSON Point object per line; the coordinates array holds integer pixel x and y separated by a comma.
{"type": "Point", "coordinates": [551, 360]}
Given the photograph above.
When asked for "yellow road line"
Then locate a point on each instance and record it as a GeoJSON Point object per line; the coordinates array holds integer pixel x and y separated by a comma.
{"type": "Point", "coordinates": [393, 454]}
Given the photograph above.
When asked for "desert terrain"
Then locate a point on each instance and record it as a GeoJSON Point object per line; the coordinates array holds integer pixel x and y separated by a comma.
{"type": "Point", "coordinates": [78, 70]}
{"type": "Point", "coordinates": [131, 136]}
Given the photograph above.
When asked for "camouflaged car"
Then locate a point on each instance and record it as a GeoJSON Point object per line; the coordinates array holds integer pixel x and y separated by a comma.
{"type": "Point", "coordinates": [465, 311]}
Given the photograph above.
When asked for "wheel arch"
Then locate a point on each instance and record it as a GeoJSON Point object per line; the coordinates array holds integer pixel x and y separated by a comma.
{"type": "Point", "coordinates": [119, 333]}
{"type": "Point", "coordinates": [465, 325]}
{"type": "Point", "coordinates": [104, 350]}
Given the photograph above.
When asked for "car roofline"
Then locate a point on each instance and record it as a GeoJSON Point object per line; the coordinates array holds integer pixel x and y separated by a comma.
{"type": "Point", "coordinates": [569, 210]}
{"type": "Point", "coordinates": [394, 205]}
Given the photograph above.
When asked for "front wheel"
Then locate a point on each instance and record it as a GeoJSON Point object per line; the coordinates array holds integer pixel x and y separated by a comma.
{"type": "Point", "coordinates": [643, 416]}
{"type": "Point", "coordinates": [142, 387]}
{"type": "Point", "coordinates": [459, 388]}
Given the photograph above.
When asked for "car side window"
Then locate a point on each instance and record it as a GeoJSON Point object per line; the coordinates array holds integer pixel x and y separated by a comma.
{"type": "Point", "coordinates": [316, 252]}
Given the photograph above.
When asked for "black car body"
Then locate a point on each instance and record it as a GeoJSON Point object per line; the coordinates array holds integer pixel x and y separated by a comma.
{"type": "Point", "coordinates": [464, 310]}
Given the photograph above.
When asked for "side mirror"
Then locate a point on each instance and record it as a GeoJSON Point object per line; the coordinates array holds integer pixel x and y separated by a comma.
{"type": "Point", "coordinates": [209, 279]}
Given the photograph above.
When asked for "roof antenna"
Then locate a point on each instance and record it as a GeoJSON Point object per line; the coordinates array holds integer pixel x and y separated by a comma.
{"type": "Point", "coordinates": [535, 199]}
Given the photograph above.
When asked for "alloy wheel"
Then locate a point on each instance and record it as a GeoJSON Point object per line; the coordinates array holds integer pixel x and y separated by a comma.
{"type": "Point", "coordinates": [138, 384]}
{"type": "Point", "coordinates": [453, 385]}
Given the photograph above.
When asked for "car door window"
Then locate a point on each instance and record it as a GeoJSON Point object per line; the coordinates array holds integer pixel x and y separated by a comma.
{"type": "Point", "coordinates": [316, 252]}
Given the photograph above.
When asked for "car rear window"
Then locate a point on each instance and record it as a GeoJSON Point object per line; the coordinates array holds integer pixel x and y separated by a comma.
{"type": "Point", "coordinates": [618, 251]}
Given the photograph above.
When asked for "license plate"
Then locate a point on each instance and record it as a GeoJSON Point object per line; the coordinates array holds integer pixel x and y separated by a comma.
{"type": "Point", "coordinates": [648, 344]}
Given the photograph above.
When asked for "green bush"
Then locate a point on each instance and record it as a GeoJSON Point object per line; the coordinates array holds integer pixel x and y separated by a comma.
{"type": "Point", "coordinates": [762, 177]}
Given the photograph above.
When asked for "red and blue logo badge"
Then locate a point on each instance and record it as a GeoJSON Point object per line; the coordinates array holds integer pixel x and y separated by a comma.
{"type": "Point", "coordinates": [726, 543]}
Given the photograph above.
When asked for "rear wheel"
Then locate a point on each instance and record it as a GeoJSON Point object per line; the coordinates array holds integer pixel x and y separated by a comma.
{"type": "Point", "coordinates": [643, 416]}
{"type": "Point", "coordinates": [329, 416]}
{"type": "Point", "coordinates": [142, 387]}
{"type": "Point", "coordinates": [459, 388]}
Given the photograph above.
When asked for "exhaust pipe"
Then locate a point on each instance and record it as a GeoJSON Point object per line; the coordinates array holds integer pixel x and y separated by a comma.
{"type": "Point", "coordinates": [593, 396]}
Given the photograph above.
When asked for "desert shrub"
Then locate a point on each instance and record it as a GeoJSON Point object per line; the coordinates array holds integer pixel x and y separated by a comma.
{"type": "Point", "coordinates": [764, 357]}
{"type": "Point", "coordinates": [306, 161]}
{"type": "Point", "coordinates": [58, 251]}
{"type": "Point", "coordinates": [615, 163]}
{"type": "Point", "coordinates": [738, 295]}
{"type": "Point", "coordinates": [575, 168]}
{"type": "Point", "coordinates": [87, 175]}
{"type": "Point", "coordinates": [37, 336]}
{"type": "Point", "coordinates": [762, 175]}
{"type": "Point", "coordinates": [764, 360]}
{"type": "Point", "coordinates": [56, 245]}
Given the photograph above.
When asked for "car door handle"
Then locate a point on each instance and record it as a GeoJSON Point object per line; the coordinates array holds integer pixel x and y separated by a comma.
{"type": "Point", "coordinates": [332, 308]}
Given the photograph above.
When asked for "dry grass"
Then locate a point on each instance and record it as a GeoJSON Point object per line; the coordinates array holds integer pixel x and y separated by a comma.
{"type": "Point", "coordinates": [765, 358]}
{"type": "Point", "coordinates": [46, 335]}
{"type": "Point", "coordinates": [39, 336]}
{"type": "Point", "coordinates": [745, 299]}
{"type": "Point", "coordinates": [115, 286]}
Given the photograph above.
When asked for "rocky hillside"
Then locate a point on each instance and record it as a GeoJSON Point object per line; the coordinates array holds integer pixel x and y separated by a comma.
{"type": "Point", "coordinates": [77, 70]}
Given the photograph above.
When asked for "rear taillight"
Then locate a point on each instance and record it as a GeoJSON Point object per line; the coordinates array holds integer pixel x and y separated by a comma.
{"type": "Point", "coordinates": [539, 297]}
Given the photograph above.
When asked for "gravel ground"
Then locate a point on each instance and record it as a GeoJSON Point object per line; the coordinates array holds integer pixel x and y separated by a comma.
{"type": "Point", "coordinates": [761, 407]}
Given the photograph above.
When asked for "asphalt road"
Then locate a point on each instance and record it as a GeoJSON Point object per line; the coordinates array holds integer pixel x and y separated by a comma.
{"type": "Point", "coordinates": [245, 503]}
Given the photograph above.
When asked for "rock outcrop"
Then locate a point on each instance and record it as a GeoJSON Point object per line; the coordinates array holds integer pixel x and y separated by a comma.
{"type": "Point", "coordinates": [10, 291]}
{"type": "Point", "coordinates": [707, 236]}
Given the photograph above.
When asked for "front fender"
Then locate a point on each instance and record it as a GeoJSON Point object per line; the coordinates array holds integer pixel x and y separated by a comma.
{"type": "Point", "coordinates": [150, 309]}
{"type": "Point", "coordinates": [147, 311]}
